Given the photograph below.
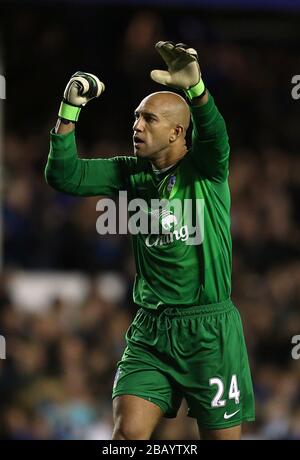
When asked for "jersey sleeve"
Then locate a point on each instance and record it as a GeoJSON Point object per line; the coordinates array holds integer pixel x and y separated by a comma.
{"type": "Point", "coordinates": [68, 173]}
{"type": "Point", "coordinates": [210, 145]}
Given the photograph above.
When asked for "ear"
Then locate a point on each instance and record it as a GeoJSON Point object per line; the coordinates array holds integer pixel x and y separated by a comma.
{"type": "Point", "coordinates": [176, 132]}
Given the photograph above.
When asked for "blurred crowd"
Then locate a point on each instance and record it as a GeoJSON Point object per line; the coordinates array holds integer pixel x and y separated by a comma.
{"type": "Point", "coordinates": [56, 380]}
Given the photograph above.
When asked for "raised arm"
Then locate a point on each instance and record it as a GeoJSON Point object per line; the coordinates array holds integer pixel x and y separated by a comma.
{"type": "Point", "coordinates": [64, 170]}
{"type": "Point", "coordinates": [210, 148]}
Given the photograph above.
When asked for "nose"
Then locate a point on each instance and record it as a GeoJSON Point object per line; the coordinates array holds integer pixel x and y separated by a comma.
{"type": "Point", "coordinates": [138, 125]}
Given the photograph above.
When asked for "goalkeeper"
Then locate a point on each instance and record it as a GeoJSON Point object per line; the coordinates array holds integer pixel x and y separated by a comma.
{"type": "Point", "coordinates": [186, 340]}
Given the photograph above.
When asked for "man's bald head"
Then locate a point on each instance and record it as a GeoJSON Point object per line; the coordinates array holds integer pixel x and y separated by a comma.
{"type": "Point", "coordinates": [171, 106]}
{"type": "Point", "coordinates": [159, 130]}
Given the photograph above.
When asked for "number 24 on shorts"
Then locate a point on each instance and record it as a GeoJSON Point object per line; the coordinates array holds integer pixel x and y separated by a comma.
{"type": "Point", "coordinates": [234, 392]}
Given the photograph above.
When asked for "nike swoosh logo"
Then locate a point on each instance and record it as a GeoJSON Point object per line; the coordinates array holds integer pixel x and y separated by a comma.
{"type": "Point", "coordinates": [226, 416]}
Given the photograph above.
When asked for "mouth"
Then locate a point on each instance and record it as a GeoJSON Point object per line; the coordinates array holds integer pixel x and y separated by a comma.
{"type": "Point", "coordinates": [138, 141]}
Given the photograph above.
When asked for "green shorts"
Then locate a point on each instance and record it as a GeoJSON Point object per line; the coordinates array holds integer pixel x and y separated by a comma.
{"type": "Point", "coordinates": [196, 353]}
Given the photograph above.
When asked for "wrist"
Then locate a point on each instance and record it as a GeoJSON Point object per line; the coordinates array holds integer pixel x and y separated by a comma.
{"type": "Point", "coordinates": [196, 91]}
{"type": "Point", "coordinates": [69, 112]}
{"type": "Point", "coordinates": [64, 126]}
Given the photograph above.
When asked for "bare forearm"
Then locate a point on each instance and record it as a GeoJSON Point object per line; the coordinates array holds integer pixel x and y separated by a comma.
{"type": "Point", "coordinates": [63, 127]}
{"type": "Point", "coordinates": [200, 100]}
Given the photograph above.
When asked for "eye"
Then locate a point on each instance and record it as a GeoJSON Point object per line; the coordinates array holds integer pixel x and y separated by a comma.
{"type": "Point", "coordinates": [150, 119]}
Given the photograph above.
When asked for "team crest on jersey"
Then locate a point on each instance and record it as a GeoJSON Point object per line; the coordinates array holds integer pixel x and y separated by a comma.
{"type": "Point", "coordinates": [172, 182]}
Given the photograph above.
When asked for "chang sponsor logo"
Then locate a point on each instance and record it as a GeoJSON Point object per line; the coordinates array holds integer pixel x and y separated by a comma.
{"type": "Point", "coordinates": [162, 221]}
{"type": "Point", "coordinates": [168, 220]}
{"type": "Point", "coordinates": [160, 240]}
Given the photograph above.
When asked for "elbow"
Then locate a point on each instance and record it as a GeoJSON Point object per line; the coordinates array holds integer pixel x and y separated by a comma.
{"type": "Point", "coordinates": [50, 177]}
{"type": "Point", "coordinates": [47, 176]}
{"type": "Point", "coordinates": [59, 184]}
{"type": "Point", "coordinates": [52, 180]}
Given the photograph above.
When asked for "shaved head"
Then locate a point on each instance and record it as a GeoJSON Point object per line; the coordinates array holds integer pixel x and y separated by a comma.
{"type": "Point", "coordinates": [159, 129]}
{"type": "Point", "coordinates": [171, 106]}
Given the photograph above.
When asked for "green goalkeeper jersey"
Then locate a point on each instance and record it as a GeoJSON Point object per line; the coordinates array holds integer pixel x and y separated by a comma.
{"type": "Point", "coordinates": [173, 267]}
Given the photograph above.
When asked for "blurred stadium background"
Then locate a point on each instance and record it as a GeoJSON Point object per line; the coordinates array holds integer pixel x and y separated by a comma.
{"type": "Point", "coordinates": [65, 292]}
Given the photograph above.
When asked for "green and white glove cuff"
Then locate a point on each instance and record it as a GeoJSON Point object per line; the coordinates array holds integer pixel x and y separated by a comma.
{"type": "Point", "coordinates": [195, 91]}
{"type": "Point", "coordinates": [69, 112]}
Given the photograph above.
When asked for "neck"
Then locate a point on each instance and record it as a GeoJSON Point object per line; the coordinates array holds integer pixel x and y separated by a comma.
{"type": "Point", "coordinates": [161, 170]}
{"type": "Point", "coordinates": [166, 160]}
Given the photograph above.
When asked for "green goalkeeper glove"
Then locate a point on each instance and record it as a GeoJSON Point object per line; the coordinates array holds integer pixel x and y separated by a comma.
{"type": "Point", "coordinates": [183, 69]}
{"type": "Point", "coordinates": [81, 88]}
